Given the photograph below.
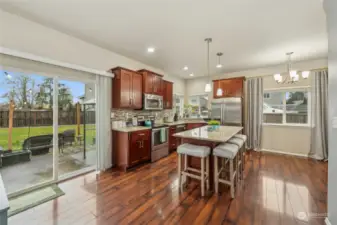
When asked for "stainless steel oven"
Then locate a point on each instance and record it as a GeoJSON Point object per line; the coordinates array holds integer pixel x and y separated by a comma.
{"type": "Point", "coordinates": [153, 102]}
{"type": "Point", "coordinates": [181, 128]}
{"type": "Point", "coordinates": [160, 146]}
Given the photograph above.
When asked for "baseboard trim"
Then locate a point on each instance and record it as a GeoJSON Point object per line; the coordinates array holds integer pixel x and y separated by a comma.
{"type": "Point", "coordinates": [327, 222]}
{"type": "Point", "coordinates": [285, 153]}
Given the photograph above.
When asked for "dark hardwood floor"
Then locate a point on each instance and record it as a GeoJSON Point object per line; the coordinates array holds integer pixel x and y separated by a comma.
{"type": "Point", "coordinates": [277, 190]}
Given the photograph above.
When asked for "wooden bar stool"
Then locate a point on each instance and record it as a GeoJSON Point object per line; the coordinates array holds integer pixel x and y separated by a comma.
{"type": "Point", "coordinates": [228, 152]}
{"type": "Point", "coordinates": [203, 153]}
{"type": "Point", "coordinates": [240, 140]}
{"type": "Point", "coordinates": [243, 149]}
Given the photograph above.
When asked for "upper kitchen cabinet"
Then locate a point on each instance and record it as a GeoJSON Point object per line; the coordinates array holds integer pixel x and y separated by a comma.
{"type": "Point", "coordinates": [152, 82]}
{"type": "Point", "coordinates": [230, 87]}
{"type": "Point", "coordinates": [127, 89]}
{"type": "Point", "coordinates": [167, 94]}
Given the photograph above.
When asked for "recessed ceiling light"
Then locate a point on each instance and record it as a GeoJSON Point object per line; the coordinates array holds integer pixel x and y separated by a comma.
{"type": "Point", "coordinates": [185, 68]}
{"type": "Point", "coordinates": [218, 66]}
{"type": "Point", "coordinates": [151, 49]}
{"type": "Point", "coordinates": [191, 75]}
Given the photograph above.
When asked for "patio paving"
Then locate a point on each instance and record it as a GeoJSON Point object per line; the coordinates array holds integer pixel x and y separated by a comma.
{"type": "Point", "coordinates": [40, 168]}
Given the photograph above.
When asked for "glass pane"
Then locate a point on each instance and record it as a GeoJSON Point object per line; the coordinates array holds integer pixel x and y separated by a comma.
{"type": "Point", "coordinates": [204, 106]}
{"type": "Point", "coordinates": [77, 130]}
{"type": "Point", "coordinates": [198, 106]}
{"type": "Point", "coordinates": [179, 104]}
{"type": "Point", "coordinates": [273, 107]}
{"type": "Point", "coordinates": [157, 138]}
{"type": "Point", "coordinates": [26, 129]}
{"type": "Point", "coordinates": [153, 103]}
{"type": "Point", "coordinates": [297, 107]}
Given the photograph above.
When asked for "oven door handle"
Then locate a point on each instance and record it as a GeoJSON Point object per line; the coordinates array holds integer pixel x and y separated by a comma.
{"type": "Point", "coordinates": [156, 129]}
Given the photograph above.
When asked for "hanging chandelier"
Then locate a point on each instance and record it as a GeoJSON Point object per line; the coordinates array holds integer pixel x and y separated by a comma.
{"type": "Point", "coordinates": [292, 75]}
{"type": "Point", "coordinates": [208, 87]}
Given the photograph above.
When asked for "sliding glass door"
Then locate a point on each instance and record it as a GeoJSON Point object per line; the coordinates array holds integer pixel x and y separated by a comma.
{"type": "Point", "coordinates": [45, 136]}
{"type": "Point", "coordinates": [76, 127]}
{"type": "Point", "coordinates": [26, 130]}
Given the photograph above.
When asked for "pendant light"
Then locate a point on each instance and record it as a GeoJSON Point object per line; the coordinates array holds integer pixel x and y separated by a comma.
{"type": "Point", "coordinates": [219, 91]}
{"type": "Point", "coordinates": [208, 87]}
{"type": "Point", "coordinates": [219, 54]}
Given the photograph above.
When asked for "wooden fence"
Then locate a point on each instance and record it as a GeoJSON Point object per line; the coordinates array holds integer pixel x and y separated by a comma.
{"type": "Point", "coordinates": [34, 118]}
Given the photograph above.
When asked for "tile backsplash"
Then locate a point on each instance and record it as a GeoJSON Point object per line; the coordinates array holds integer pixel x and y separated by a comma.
{"type": "Point", "coordinates": [127, 115]}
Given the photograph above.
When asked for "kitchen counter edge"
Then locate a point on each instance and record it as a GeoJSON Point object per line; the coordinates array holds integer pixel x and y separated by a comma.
{"type": "Point", "coordinates": [131, 129]}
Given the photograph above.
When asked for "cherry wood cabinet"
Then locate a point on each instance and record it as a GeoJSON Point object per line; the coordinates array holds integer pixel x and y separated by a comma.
{"type": "Point", "coordinates": [131, 149]}
{"type": "Point", "coordinates": [195, 125]}
{"type": "Point", "coordinates": [173, 141]}
{"type": "Point", "coordinates": [167, 94]}
{"type": "Point", "coordinates": [137, 91]}
{"type": "Point", "coordinates": [152, 82]}
{"type": "Point", "coordinates": [140, 144]}
{"type": "Point", "coordinates": [127, 89]}
{"type": "Point", "coordinates": [230, 87]}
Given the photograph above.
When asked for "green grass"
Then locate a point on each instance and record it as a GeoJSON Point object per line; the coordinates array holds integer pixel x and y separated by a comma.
{"type": "Point", "coordinates": [21, 133]}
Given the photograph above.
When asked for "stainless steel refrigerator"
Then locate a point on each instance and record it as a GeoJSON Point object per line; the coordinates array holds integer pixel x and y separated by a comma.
{"type": "Point", "coordinates": [228, 111]}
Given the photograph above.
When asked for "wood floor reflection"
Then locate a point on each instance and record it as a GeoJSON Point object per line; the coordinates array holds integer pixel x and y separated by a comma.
{"type": "Point", "coordinates": [277, 190]}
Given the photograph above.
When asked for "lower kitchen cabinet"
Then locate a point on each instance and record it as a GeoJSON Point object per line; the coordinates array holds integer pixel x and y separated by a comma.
{"type": "Point", "coordinates": [131, 149]}
{"type": "Point", "coordinates": [173, 141]}
{"type": "Point", "coordinates": [195, 125]}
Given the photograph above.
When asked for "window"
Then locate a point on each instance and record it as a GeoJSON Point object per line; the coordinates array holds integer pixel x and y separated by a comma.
{"type": "Point", "coordinates": [198, 106]}
{"type": "Point", "coordinates": [286, 107]}
{"type": "Point", "coordinates": [266, 95]}
{"type": "Point", "coordinates": [179, 104]}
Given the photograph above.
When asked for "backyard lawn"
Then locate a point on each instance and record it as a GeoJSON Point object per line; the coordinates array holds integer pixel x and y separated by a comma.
{"type": "Point", "coordinates": [21, 133]}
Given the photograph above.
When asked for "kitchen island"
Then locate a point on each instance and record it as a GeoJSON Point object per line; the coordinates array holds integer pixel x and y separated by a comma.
{"type": "Point", "coordinates": [203, 136]}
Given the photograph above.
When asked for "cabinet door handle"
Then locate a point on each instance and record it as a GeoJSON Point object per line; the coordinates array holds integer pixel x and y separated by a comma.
{"type": "Point", "coordinates": [141, 134]}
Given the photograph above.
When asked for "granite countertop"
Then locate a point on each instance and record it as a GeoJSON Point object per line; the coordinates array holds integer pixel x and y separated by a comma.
{"type": "Point", "coordinates": [131, 129]}
{"type": "Point", "coordinates": [221, 134]}
{"type": "Point", "coordinates": [185, 122]}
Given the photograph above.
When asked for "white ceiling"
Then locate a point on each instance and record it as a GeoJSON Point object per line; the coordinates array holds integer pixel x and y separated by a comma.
{"type": "Point", "coordinates": [250, 33]}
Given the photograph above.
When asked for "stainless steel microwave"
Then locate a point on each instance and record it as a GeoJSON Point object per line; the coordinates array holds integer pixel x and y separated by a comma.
{"type": "Point", "coordinates": [153, 102]}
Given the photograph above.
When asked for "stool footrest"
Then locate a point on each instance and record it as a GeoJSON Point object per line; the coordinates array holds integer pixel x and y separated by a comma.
{"type": "Point", "coordinates": [193, 175]}
{"type": "Point", "coordinates": [227, 181]}
{"type": "Point", "coordinates": [194, 170]}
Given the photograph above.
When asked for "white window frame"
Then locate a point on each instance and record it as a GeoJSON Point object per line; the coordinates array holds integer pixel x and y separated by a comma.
{"type": "Point", "coordinates": [284, 103]}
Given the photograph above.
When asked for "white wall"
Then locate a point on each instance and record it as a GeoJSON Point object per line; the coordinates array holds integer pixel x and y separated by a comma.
{"type": "Point", "coordinates": [24, 35]}
{"type": "Point", "coordinates": [273, 137]}
{"type": "Point", "coordinates": [196, 86]}
{"type": "Point", "coordinates": [331, 11]}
